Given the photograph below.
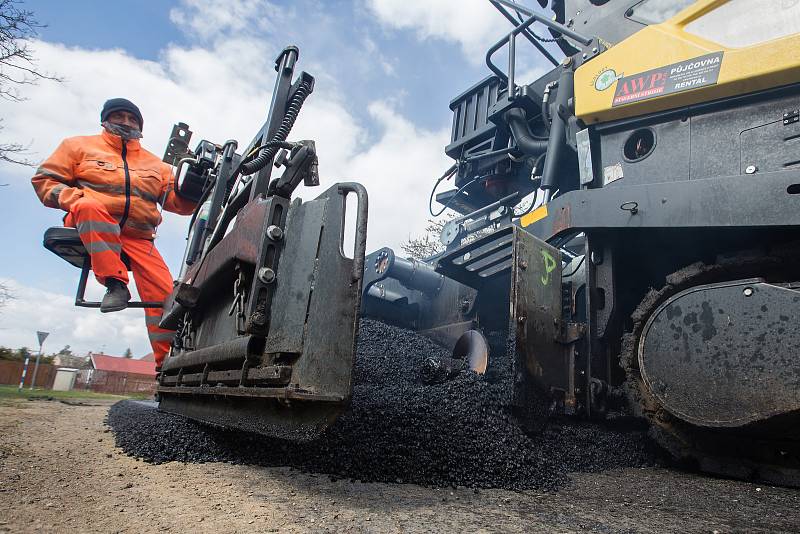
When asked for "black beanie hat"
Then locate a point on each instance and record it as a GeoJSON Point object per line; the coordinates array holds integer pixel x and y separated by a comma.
{"type": "Point", "coordinates": [121, 104]}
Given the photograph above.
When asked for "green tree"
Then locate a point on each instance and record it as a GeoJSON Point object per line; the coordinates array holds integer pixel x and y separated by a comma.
{"type": "Point", "coordinates": [128, 353]}
{"type": "Point", "coordinates": [22, 353]}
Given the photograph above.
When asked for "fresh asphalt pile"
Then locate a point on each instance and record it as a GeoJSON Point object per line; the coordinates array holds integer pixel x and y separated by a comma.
{"type": "Point", "coordinates": [397, 429]}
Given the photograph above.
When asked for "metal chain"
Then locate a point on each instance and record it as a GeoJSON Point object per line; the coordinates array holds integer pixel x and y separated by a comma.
{"type": "Point", "coordinates": [238, 302]}
{"type": "Point", "coordinates": [186, 336]}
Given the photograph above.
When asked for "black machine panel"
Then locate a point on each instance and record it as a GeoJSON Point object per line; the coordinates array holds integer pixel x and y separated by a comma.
{"type": "Point", "coordinates": [738, 136]}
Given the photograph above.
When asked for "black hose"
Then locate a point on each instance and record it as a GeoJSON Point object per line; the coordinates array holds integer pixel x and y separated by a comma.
{"type": "Point", "coordinates": [546, 114]}
{"type": "Point", "coordinates": [269, 149]}
{"type": "Point", "coordinates": [546, 119]}
{"type": "Point", "coordinates": [530, 144]}
{"type": "Point", "coordinates": [447, 174]}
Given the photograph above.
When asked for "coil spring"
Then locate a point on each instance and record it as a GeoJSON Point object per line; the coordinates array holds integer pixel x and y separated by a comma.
{"type": "Point", "coordinates": [292, 111]}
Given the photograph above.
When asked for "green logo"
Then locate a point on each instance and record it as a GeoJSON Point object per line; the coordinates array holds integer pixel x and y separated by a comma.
{"type": "Point", "coordinates": [549, 265]}
{"type": "Point", "coordinates": [605, 79]}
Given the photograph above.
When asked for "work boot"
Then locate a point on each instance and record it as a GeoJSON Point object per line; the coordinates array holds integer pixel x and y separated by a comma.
{"type": "Point", "coordinates": [116, 297]}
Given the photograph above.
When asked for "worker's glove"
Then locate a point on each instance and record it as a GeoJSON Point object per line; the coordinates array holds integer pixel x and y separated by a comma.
{"type": "Point", "coordinates": [68, 197]}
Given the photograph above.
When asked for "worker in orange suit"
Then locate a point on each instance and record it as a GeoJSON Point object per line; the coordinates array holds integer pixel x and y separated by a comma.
{"type": "Point", "coordinates": [111, 189]}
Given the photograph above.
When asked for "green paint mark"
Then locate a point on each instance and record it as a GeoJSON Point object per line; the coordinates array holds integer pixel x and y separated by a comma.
{"type": "Point", "coordinates": [549, 266]}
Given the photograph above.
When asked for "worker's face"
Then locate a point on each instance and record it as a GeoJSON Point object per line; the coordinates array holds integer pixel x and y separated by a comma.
{"type": "Point", "coordinates": [124, 118]}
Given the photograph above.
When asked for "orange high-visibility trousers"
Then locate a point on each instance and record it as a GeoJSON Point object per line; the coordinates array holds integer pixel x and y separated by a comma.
{"type": "Point", "coordinates": [100, 234]}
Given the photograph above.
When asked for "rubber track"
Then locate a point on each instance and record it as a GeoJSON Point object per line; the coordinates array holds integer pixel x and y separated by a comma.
{"type": "Point", "coordinates": [681, 439]}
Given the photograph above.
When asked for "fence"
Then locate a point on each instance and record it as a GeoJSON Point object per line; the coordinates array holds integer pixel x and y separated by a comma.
{"type": "Point", "coordinates": [115, 382]}
{"type": "Point", "coordinates": [11, 371]}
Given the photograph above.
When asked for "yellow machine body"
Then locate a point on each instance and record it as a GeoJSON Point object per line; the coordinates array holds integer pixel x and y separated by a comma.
{"type": "Point", "coordinates": [711, 50]}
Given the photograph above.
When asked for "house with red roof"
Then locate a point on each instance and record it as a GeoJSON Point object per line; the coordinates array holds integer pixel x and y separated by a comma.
{"type": "Point", "coordinates": [118, 375]}
{"type": "Point", "coordinates": [118, 364]}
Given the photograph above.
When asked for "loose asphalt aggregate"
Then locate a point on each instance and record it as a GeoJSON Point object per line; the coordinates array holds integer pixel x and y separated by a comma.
{"type": "Point", "coordinates": [460, 432]}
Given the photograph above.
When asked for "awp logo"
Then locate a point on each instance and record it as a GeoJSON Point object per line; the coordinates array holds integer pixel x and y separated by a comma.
{"type": "Point", "coordinates": [606, 79]}
{"type": "Point", "coordinates": [639, 87]}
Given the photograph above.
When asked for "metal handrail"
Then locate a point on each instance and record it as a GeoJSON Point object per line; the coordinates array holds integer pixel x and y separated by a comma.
{"type": "Point", "coordinates": [522, 27]}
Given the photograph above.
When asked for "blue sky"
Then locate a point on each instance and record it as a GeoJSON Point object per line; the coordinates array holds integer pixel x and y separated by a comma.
{"type": "Point", "coordinates": [386, 71]}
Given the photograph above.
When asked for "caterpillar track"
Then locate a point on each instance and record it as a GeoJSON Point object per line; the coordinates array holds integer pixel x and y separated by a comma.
{"type": "Point", "coordinates": [767, 450]}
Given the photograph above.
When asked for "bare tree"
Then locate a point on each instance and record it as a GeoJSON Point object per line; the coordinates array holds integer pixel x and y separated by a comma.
{"type": "Point", "coordinates": [17, 65]}
{"type": "Point", "coordinates": [5, 294]}
{"type": "Point", "coordinates": [427, 245]}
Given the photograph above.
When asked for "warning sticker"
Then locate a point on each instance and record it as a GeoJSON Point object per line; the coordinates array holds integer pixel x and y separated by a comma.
{"type": "Point", "coordinates": [675, 78]}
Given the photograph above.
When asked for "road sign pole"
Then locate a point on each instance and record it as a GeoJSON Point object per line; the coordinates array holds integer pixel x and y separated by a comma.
{"type": "Point", "coordinates": [36, 367]}
{"type": "Point", "coordinates": [42, 336]}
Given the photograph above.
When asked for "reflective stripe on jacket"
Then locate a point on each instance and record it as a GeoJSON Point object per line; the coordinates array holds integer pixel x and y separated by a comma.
{"type": "Point", "coordinates": [94, 166]}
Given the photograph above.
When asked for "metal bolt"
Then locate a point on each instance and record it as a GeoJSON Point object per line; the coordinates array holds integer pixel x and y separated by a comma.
{"type": "Point", "coordinates": [594, 50]}
{"type": "Point", "coordinates": [751, 169]}
{"type": "Point", "coordinates": [521, 319]}
{"type": "Point", "coordinates": [274, 232]}
{"type": "Point", "coordinates": [467, 256]}
{"type": "Point", "coordinates": [266, 275]}
{"type": "Point", "coordinates": [584, 56]}
{"type": "Point", "coordinates": [523, 265]}
{"type": "Point", "coordinates": [596, 257]}
{"type": "Point", "coordinates": [748, 292]}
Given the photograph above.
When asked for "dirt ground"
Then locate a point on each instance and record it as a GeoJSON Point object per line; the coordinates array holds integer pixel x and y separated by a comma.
{"type": "Point", "coordinates": [60, 471]}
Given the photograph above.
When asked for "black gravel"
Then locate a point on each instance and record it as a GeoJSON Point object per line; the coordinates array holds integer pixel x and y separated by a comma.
{"type": "Point", "coordinates": [397, 429]}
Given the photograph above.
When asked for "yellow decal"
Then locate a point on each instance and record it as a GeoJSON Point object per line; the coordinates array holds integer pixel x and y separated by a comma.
{"type": "Point", "coordinates": [681, 62]}
{"type": "Point", "coordinates": [536, 215]}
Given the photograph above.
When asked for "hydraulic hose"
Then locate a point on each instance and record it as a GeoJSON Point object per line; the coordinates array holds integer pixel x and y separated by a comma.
{"type": "Point", "coordinates": [558, 130]}
{"type": "Point", "coordinates": [530, 144]}
{"type": "Point", "coordinates": [270, 148]}
{"type": "Point", "coordinates": [546, 119]}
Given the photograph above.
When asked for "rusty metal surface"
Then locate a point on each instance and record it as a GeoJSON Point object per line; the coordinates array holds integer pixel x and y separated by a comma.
{"type": "Point", "coordinates": [234, 350]}
{"type": "Point", "coordinates": [240, 244]}
{"type": "Point", "coordinates": [332, 310]}
{"type": "Point", "coordinates": [310, 305]}
{"type": "Point", "coordinates": [293, 287]}
{"type": "Point", "coordinates": [231, 407]}
{"type": "Point", "coordinates": [726, 354]}
{"type": "Point", "coordinates": [544, 368]}
{"type": "Point", "coordinates": [260, 392]}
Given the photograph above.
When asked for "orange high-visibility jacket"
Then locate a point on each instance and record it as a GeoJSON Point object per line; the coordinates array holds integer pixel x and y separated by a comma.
{"type": "Point", "coordinates": [127, 179]}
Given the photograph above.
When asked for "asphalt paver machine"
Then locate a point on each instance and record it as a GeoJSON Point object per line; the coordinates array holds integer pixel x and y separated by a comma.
{"type": "Point", "coordinates": [627, 234]}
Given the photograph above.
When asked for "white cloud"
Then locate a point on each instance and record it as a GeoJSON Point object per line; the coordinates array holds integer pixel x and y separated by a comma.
{"type": "Point", "coordinates": [223, 91]}
{"type": "Point", "coordinates": [374, 54]}
{"type": "Point", "coordinates": [473, 24]}
{"type": "Point", "coordinates": [83, 329]}
{"type": "Point", "coordinates": [399, 171]}
{"type": "Point", "coordinates": [213, 18]}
